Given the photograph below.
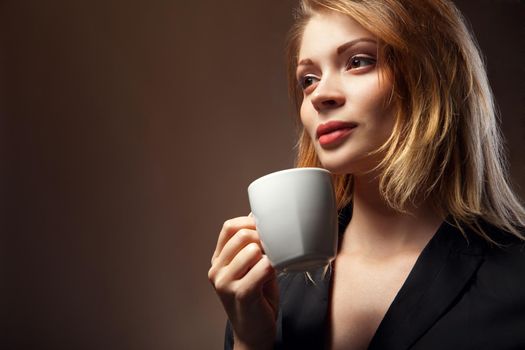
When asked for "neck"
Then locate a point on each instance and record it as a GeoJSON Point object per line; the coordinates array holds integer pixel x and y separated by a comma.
{"type": "Point", "coordinates": [378, 230]}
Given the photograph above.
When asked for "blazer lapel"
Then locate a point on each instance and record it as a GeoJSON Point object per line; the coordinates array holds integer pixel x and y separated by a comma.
{"type": "Point", "coordinates": [441, 272]}
{"type": "Point", "coordinates": [303, 316]}
{"type": "Point", "coordinates": [301, 323]}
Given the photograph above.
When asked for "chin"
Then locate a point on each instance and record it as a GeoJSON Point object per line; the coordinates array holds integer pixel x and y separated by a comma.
{"type": "Point", "coordinates": [348, 161]}
{"type": "Point", "coordinates": [340, 160]}
{"type": "Point", "coordinates": [337, 167]}
{"type": "Point", "coordinates": [346, 166]}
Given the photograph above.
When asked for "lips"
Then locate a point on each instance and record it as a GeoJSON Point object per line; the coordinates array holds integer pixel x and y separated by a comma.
{"type": "Point", "coordinates": [333, 132]}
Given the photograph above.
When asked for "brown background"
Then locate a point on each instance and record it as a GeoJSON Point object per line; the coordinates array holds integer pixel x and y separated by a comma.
{"type": "Point", "coordinates": [130, 130]}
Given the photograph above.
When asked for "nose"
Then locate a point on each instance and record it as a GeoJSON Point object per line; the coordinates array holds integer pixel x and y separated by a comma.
{"type": "Point", "coordinates": [328, 94]}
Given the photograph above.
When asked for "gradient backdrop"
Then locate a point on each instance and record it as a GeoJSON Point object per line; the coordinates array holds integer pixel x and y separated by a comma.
{"type": "Point", "coordinates": [129, 132]}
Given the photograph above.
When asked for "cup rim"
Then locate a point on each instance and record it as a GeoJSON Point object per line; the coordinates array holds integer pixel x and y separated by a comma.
{"type": "Point", "coordinates": [291, 170]}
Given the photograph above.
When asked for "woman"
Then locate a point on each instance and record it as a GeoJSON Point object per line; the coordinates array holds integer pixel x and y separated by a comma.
{"type": "Point", "coordinates": [431, 251]}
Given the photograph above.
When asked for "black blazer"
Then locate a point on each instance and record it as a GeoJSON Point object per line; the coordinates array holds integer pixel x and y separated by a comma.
{"type": "Point", "coordinates": [462, 293]}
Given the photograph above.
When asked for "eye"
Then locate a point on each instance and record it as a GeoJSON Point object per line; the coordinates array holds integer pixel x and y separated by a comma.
{"type": "Point", "coordinates": [356, 62]}
{"type": "Point", "coordinates": [307, 80]}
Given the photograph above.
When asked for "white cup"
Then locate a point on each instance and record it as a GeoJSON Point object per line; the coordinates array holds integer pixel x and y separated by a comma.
{"type": "Point", "coordinates": [296, 217]}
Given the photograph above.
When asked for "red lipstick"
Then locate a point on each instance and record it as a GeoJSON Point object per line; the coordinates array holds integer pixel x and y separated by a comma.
{"type": "Point", "coordinates": [333, 132]}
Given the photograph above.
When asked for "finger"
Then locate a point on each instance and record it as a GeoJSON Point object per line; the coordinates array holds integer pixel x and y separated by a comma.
{"type": "Point", "coordinates": [240, 239]}
{"type": "Point", "coordinates": [229, 228]}
{"type": "Point", "coordinates": [256, 277]}
{"type": "Point", "coordinates": [244, 261]}
{"type": "Point", "coordinates": [223, 277]}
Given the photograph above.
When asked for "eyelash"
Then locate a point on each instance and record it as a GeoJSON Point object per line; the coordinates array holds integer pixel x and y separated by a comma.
{"type": "Point", "coordinates": [303, 81]}
{"type": "Point", "coordinates": [360, 58]}
{"type": "Point", "coordinates": [306, 80]}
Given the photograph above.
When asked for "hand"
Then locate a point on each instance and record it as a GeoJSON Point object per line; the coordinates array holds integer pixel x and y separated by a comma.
{"type": "Point", "coordinates": [246, 283]}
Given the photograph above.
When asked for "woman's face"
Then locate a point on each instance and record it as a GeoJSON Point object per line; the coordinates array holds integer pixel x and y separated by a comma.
{"type": "Point", "coordinates": [345, 93]}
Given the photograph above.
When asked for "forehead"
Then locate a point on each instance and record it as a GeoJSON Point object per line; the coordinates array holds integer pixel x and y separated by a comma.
{"type": "Point", "coordinates": [326, 31]}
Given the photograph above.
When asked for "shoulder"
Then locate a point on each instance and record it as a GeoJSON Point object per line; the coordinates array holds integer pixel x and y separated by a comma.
{"type": "Point", "coordinates": [500, 266]}
{"type": "Point", "coordinates": [502, 271]}
{"type": "Point", "coordinates": [506, 252]}
{"type": "Point", "coordinates": [506, 264]}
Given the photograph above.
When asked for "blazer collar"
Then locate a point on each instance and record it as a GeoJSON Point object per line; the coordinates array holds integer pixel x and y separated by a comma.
{"type": "Point", "coordinates": [304, 304]}
{"type": "Point", "coordinates": [442, 270]}
{"type": "Point", "coordinates": [301, 323]}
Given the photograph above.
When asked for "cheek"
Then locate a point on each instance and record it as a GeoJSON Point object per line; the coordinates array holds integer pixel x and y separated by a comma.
{"type": "Point", "coordinates": [375, 96]}
{"type": "Point", "coordinates": [306, 118]}
{"type": "Point", "coordinates": [375, 101]}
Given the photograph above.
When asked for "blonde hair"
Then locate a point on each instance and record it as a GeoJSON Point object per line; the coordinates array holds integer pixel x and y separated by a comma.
{"type": "Point", "coordinates": [446, 146]}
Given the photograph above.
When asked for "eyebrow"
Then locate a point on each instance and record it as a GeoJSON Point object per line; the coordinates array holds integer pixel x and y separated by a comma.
{"type": "Point", "coordinates": [340, 49]}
